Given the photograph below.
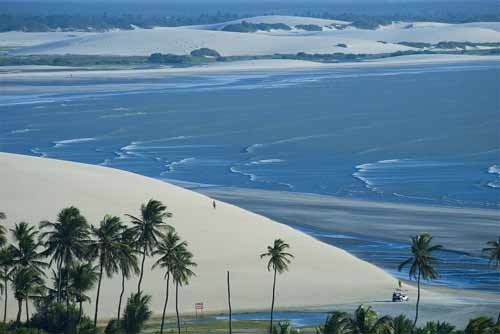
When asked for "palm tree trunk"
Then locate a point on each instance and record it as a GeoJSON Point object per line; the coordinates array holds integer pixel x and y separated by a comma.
{"type": "Point", "coordinates": [177, 307]}
{"type": "Point", "coordinates": [142, 269]}
{"type": "Point", "coordinates": [80, 309]}
{"type": "Point", "coordinates": [272, 303]}
{"type": "Point", "coordinates": [121, 296]}
{"type": "Point", "coordinates": [98, 292]}
{"type": "Point", "coordinates": [27, 312]}
{"type": "Point", "coordinates": [165, 305]}
{"type": "Point", "coordinates": [59, 283]}
{"type": "Point", "coordinates": [5, 301]}
{"type": "Point", "coordinates": [418, 298]}
{"type": "Point", "coordinates": [67, 291]}
{"type": "Point", "coordinates": [229, 303]}
{"type": "Point", "coordinates": [19, 310]}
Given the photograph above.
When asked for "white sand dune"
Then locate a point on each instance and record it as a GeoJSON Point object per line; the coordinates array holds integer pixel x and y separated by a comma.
{"type": "Point", "coordinates": [291, 21]}
{"type": "Point", "coordinates": [425, 33]}
{"type": "Point", "coordinates": [228, 238]}
{"type": "Point", "coordinates": [182, 40]}
{"type": "Point", "coordinates": [24, 39]}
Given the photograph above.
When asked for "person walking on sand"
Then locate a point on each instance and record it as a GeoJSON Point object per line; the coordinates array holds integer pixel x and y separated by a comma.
{"type": "Point", "coordinates": [214, 205]}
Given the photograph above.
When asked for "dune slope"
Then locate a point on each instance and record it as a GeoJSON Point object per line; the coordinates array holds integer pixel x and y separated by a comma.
{"type": "Point", "coordinates": [227, 238]}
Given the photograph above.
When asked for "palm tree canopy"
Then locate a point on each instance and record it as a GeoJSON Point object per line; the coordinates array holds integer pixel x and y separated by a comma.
{"type": "Point", "coordinates": [422, 260]}
{"type": "Point", "coordinates": [366, 321]}
{"type": "Point", "coordinates": [481, 325]}
{"type": "Point", "coordinates": [136, 313]}
{"type": "Point", "coordinates": [25, 248]}
{"type": "Point", "coordinates": [150, 227]}
{"type": "Point", "coordinates": [25, 282]}
{"type": "Point", "coordinates": [493, 252]}
{"type": "Point", "coordinates": [67, 239]}
{"type": "Point", "coordinates": [127, 258]}
{"type": "Point", "coordinates": [6, 264]}
{"type": "Point", "coordinates": [107, 245]}
{"type": "Point", "coordinates": [82, 277]}
{"type": "Point", "coordinates": [6, 260]}
{"type": "Point", "coordinates": [337, 323]}
{"type": "Point", "coordinates": [278, 258]}
{"type": "Point", "coordinates": [181, 268]}
{"type": "Point", "coordinates": [402, 325]}
{"type": "Point", "coordinates": [168, 249]}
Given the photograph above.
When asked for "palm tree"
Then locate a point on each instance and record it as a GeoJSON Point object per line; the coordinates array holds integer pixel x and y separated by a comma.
{"type": "Point", "coordinates": [481, 325]}
{"type": "Point", "coordinates": [26, 260]}
{"type": "Point", "coordinates": [148, 229]}
{"type": "Point", "coordinates": [181, 273]}
{"type": "Point", "coordinates": [437, 327]}
{"type": "Point", "coordinates": [6, 264]}
{"type": "Point", "coordinates": [107, 248]}
{"type": "Point", "coordinates": [366, 321]}
{"type": "Point", "coordinates": [336, 323]}
{"type": "Point", "coordinates": [421, 263]}
{"type": "Point", "coordinates": [24, 250]}
{"type": "Point", "coordinates": [278, 262]}
{"type": "Point", "coordinates": [170, 247]}
{"type": "Point", "coordinates": [127, 262]}
{"type": "Point", "coordinates": [83, 277]}
{"type": "Point", "coordinates": [136, 313]}
{"type": "Point", "coordinates": [402, 325]}
{"type": "Point", "coordinates": [229, 304]}
{"type": "Point", "coordinates": [66, 242]}
{"type": "Point", "coordinates": [493, 252]}
{"type": "Point", "coordinates": [26, 281]}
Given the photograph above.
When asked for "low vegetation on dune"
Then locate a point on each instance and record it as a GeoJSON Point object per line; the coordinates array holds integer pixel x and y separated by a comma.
{"type": "Point", "coordinates": [82, 256]}
{"type": "Point", "coordinates": [254, 27]}
{"type": "Point", "coordinates": [104, 22]}
{"type": "Point", "coordinates": [308, 27]}
{"type": "Point", "coordinates": [207, 55]}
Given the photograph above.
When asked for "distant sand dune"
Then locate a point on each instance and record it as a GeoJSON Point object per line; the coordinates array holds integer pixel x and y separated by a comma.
{"type": "Point", "coordinates": [182, 40]}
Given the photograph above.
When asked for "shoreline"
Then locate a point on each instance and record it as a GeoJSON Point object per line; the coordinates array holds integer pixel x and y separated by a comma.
{"type": "Point", "coordinates": [379, 232]}
{"type": "Point", "coordinates": [67, 73]}
{"type": "Point", "coordinates": [260, 199]}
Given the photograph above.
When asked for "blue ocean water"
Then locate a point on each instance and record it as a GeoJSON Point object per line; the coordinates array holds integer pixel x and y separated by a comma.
{"type": "Point", "coordinates": [419, 134]}
{"type": "Point", "coordinates": [414, 134]}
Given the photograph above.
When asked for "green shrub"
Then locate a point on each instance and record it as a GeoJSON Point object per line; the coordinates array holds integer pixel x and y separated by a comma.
{"type": "Point", "coordinates": [136, 313]}
{"type": "Point", "coordinates": [53, 317]}
{"type": "Point", "coordinates": [113, 327]}
{"type": "Point", "coordinates": [205, 52]}
{"type": "Point", "coordinates": [253, 27]}
{"type": "Point", "coordinates": [309, 27]}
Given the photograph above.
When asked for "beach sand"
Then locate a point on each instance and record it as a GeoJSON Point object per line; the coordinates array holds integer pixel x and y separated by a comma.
{"type": "Point", "coordinates": [19, 74]}
{"type": "Point", "coordinates": [227, 238]}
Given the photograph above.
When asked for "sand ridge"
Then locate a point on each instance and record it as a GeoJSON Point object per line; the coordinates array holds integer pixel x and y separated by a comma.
{"type": "Point", "coordinates": [228, 238]}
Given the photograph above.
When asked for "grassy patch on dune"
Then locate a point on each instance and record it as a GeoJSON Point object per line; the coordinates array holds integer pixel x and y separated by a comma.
{"type": "Point", "coordinates": [213, 325]}
{"type": "Point", "coordinates": [205, 56]}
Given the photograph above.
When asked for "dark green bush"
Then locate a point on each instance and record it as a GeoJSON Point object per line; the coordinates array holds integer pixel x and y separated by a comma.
{"type": "Point", "coordinates": [113, 327]}
{"type": "Point", "coordinates": [205, 52]}
{"type": "Point", "coordinates": [309, 27]}
{"type": "Point", "coordinates": [53, 317]}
